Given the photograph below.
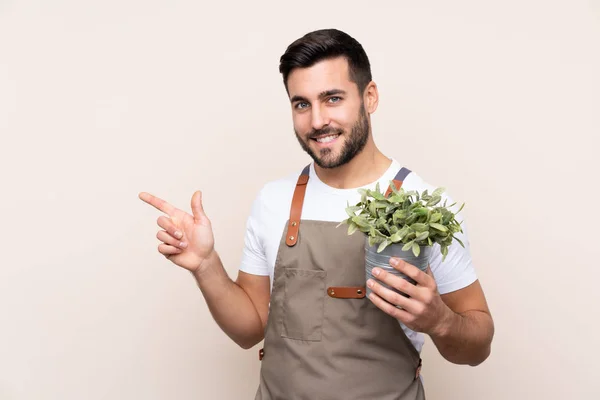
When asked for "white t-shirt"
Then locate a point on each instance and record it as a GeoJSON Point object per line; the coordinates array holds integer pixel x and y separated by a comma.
{"type": "Point", "coordinates": [271, 210]}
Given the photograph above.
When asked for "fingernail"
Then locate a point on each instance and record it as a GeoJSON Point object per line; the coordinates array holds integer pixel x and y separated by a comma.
{"type": "Point", "coordinates": [183, 244]}
{"type": "Point", "coordinates": [393, 261]}
{"type": "Point", "coordinates": [178, 235]}
{"type": "Point", "coordinates": [370, 283]}
{"type": "Point", "coordinates": [376, 271]}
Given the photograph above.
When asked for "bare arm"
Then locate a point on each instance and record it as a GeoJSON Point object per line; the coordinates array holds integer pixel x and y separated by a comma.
{"type": "Point", "coordinates": [240, 308]}
{"type": "Point", "coordinates": [465, 335]}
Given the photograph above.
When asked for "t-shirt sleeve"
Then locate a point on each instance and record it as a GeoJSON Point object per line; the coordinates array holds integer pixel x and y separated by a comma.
{"type": "Point", "coordinates": [254, 260]}
{"type": "Point", "coordinates": [457, 270]}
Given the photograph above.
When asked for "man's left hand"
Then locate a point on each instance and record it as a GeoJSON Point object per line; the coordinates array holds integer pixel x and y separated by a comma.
{"type": "Point", "coordinates": [424, 311]}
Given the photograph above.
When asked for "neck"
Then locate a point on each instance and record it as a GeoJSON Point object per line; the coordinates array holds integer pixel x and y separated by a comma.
{"type": "Point", "coordinates": [364, 168]}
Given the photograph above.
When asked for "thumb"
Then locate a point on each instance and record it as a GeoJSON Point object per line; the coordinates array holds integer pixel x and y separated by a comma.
{"type": "Point", "coordinates": [197, 208]}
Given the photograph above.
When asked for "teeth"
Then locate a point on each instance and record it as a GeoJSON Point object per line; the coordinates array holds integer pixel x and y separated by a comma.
{"type": "Point", "coordinates": [327, 139]}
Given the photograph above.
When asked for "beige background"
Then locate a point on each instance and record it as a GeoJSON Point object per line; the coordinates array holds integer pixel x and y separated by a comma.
{"type": "Point", "coordinates": [497, 101]}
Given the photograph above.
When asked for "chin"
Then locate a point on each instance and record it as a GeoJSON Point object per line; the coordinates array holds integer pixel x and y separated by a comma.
{"type": "Point", "coordinates": [329, 162]}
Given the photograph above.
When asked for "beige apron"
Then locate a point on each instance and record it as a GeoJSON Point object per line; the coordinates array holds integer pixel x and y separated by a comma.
{"type": "Point", "coordinates": [325, 340]}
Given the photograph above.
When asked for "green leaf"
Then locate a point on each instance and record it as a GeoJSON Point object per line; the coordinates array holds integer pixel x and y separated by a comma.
{"type": "Point", "coordinates": [381, 204]}
{"type": "Point", "coordinates": [376, 194]}
{"type": "Point", "coordinates": [396, 237]}
{"type": "Point", "coordinates": [407, 246]}
{"type": "Point", "coordinates": [363, 195]}
{"type": "Point", "coordinates": [433, 201]}
{"type": "Point", "coordinates": [459, 241]}
{"type": "Point", "coordinates": [404, 231]}
{"type": "Point", "coordinates": [352, 227]}
{"type": "Point", "coordinates": [439, 227]}
{"type": "Point", "coordinates": [444, 249]}
{"type": "Point", "coordinates": [351, 211]}
{"type": "Point", "coordinates": [412, 219]}
{"type": "Point", "coordinates": [373, 209]}
{"type": "Point", "coordinates": [383, 245]}
{"type": "Point", "coordinates": [435, 217]}
{"type": "Point", "coordinates": [414, 206]}
{"type": "Point", "coordinates": [361, 222]}
{"type": "Point", "coordinates": [422, 236]}
{"type": "Point", "coordinates": [375, 232]}
{"type": "Point", "coordinates": [446, 216]}
{"type": "Point", "coordinates": [421, 212]}
{"type": "Point", "coordinates": [419, 227]}
{"type": "Point", "coordinates": [438, 191]}
{"type": "Point", "coordinates": [398, 217]}
{"type": "Point", "coordinates": [373, 241]}
{"type": "Point", "coordinates": [416, 249]}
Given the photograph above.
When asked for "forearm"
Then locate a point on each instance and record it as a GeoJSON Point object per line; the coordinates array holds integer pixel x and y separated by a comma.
{"type": "Point", "coordinates": [465, 338]}
{"type": "Point", "coordinates": [230, 306]}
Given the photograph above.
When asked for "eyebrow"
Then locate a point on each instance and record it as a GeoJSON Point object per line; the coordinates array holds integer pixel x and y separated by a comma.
{"type": "Point", "coordinates": [322, 95]}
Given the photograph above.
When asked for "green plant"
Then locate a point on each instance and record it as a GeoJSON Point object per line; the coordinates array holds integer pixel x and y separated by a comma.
{"type": "Point", "coordinates": [408, 217]}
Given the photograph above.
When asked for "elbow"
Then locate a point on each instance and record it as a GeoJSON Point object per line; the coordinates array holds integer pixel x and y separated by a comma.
{"type": "Point", "coordinates": [484, 355]}
{"type": "Point", "coordinates": [486, 348]}
{"type": "Point", "coordinates": [247, 343]}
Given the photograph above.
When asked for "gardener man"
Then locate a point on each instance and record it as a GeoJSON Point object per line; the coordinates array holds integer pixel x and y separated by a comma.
{"type": "Point", "coordinates": [301, 283]}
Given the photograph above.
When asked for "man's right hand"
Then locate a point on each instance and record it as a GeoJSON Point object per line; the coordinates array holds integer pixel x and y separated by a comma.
{"type": "Point", "coordinates": [187, 240]}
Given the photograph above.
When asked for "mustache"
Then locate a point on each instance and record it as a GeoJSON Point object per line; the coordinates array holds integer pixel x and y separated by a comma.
{"type": "Point", "coordinates": [325, 131]}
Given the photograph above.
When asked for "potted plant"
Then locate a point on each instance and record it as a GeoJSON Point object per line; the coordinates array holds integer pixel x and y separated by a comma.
{"type": "Point", "coordinates": [404, 224]}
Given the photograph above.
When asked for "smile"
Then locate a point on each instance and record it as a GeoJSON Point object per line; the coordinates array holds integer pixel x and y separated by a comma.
{"type": "Point", "coordinates": [327, 139]}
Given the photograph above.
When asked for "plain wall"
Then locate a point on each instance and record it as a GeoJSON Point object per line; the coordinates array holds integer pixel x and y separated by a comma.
{"type": "Point", "coordinates": [499, 102]}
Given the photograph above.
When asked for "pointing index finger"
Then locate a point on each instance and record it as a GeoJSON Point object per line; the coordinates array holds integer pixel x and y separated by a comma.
{"type": "Point", "coordinates": [157, 203]}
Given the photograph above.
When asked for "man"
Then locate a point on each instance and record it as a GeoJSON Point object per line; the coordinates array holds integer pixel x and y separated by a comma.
{"type": "Point", "coordinates": [301, 281]}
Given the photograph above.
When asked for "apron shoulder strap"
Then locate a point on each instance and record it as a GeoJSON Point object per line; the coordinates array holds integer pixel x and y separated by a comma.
{"type": "Point", "coordinates": [296, 210]}
{"type": "Point", "coordinates": [398, 180]}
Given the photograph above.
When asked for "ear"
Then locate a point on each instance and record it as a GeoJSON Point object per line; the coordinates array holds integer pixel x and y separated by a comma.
{"type": "Point", "coordinates": [371, 97]}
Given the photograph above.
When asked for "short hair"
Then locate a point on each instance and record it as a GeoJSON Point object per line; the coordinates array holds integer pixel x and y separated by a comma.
{"type": "Point", "coordinates": [326, 44]}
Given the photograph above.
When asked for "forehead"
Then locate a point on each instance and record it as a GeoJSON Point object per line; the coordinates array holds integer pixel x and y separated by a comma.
{"type": "Point", "coordinates": [324, 75]}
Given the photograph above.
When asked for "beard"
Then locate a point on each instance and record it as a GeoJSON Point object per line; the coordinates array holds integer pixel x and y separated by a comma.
{"type": "Point", "coordinates": [354, 143]}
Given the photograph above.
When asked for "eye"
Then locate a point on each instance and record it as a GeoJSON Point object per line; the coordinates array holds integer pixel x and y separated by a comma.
{"type": "Point", "coordinates": [335, 99]}
{"type": "Point", "coordinates": [301, 105]}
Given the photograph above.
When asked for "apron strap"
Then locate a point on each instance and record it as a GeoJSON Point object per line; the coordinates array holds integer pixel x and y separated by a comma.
{"type": "Point", "coordinates": [298, 200]}
{"type": "Point", "coordinates": [398, 180]}
{"type": "Point", "coordinates": [296, 210]}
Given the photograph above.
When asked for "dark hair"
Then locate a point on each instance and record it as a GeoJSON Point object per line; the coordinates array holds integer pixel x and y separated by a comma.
{"type": "Point", "coordinates": [326, 44]}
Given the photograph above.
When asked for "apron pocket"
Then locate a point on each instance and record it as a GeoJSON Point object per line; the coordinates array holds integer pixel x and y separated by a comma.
{"type": "Point", "coordinates": [303, 304]}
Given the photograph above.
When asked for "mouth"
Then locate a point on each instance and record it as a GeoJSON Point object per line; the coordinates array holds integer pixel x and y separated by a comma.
{"type": "Point", "coordinates": [326, 139]}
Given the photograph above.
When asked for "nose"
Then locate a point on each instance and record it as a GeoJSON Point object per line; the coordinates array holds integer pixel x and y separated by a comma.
{"type": "Point", "coordinates": [319, 118]}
